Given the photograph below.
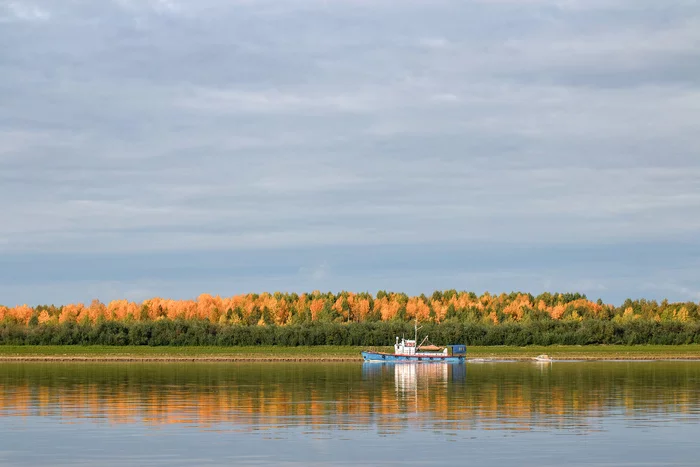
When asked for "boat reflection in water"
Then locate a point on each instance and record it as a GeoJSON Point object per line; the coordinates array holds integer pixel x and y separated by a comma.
{"type": "Point", "coordinates": [409, 378]}
{"type": "Point", "coordinates": [406, 376]}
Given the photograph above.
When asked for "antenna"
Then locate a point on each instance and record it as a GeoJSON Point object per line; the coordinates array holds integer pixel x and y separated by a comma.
{"type": "Point", "coordinates": [417, 328]}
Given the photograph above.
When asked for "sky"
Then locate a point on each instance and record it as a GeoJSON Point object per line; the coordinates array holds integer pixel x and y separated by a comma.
{"type": "Point", "coordinates": [175, 147]}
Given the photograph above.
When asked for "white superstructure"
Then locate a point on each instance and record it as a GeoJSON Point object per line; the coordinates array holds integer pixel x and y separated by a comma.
{"type": "Point", "coordinates": [408, 347]}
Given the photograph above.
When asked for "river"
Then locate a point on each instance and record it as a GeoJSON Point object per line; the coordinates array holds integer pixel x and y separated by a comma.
{"type": "Point", "coordinates": [293, 414]}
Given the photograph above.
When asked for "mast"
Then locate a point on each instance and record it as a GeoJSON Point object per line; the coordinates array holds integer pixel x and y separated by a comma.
{"type": "Point", "coordinates": [416, 330]}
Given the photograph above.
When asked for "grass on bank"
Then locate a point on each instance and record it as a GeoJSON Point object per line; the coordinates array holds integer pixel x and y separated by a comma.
{"type": "Point", "coordinates": [327, 353]}
{"type": "Point", "coordinates": [193, 352]}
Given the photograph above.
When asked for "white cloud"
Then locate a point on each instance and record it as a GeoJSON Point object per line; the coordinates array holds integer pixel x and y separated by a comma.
{"type": "Point", "coordinates": [22, 11]}
{"type": "Point", "coordinates": [434, 42]}
{"type": "Point", "coordinates": [278, 102]}
{"type": "Point", "coordinates": [153, 6]}
{"type": "Point", "coordinates": [445, 97]}
{"type": "Point", "coordinates": [318, 272]}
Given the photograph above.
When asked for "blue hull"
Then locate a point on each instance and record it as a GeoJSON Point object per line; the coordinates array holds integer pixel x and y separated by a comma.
{"type": "Point", "coordinates": [387, 357]}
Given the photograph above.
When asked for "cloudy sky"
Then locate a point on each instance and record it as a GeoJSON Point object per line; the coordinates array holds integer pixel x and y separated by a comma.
{"type": "Point", "coordinates": [175, 147]}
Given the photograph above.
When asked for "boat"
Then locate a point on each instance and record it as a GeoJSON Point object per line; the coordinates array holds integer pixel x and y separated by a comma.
{"type": "Point", "coordinates": [543, 358]}
{"type": "Point", "coordinates": [406, 350]}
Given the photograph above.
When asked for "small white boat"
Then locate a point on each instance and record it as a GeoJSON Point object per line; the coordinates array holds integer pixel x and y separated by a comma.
{"type": "Point", "coordinates": [543, 358]}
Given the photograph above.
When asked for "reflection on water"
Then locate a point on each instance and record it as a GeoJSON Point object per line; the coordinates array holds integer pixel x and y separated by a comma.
{"type": "Point", "coordinates": [511, 396]}
{"type": "Point", "coordinates": [406, 377]}
{"type": "Point", "coordinates": [349, 414]}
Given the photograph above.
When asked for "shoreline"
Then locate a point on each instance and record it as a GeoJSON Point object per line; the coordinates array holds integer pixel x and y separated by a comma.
{"type": "Point", "coordinates": [499, 359]}
{"type": "Point", "coordinates": [329, 354]}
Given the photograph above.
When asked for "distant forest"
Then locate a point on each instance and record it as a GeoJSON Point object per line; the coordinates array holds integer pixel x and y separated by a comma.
{"type": "Point", "coordinates": [348, 318]}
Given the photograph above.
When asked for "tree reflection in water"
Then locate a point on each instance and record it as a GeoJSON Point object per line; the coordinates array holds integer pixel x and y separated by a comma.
{"type": "Point", "coordinates": [505, 396]}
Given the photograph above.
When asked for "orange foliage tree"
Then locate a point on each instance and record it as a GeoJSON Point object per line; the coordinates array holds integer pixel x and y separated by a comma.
{"type": "Point", "coordinates": [284, 309]}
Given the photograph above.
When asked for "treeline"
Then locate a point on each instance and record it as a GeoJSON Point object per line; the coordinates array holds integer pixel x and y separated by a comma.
{"type": "Point", "coordinates": [348, 318]}
{"type": "Point", "coordinates": [198, 332]}
{"type": "Point", "coordinates": [285, 309]}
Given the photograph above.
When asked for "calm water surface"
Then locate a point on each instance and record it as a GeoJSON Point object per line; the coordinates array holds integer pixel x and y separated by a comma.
{"type": "Point", "coordinates": [524, 414]}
